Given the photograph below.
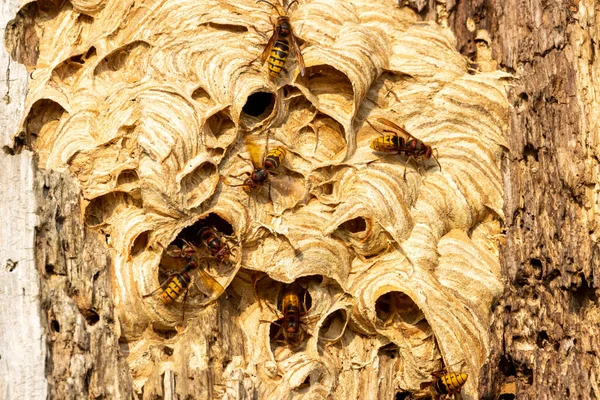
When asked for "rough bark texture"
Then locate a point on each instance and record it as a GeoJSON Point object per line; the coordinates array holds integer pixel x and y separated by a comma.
{"type": "Point", "coordinates": [546, 331]}
{"type": "Point", "coordinates": [77, 306]}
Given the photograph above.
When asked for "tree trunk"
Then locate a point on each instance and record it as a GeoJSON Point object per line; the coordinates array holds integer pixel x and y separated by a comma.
{"type": "Point", "coordinates": [545, 333]}
{"type": "Point", "coordinates": [72, 326]}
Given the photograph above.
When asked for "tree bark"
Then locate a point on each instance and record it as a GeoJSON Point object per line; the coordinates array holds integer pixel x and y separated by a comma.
{"type": "Point", "coordinates": [545, 327]}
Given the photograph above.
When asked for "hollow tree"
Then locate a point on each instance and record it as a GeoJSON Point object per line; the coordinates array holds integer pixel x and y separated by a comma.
{"type": "Point", "coordinates": [132, 128]}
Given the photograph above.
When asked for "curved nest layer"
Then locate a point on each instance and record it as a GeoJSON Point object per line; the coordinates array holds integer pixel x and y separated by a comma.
{"type": "Point", "coordinates": [160, 109]}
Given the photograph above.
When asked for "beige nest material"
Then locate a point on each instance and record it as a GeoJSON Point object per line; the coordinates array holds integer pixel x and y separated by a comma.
{"type": "Point", "coordinates": [164, 113]}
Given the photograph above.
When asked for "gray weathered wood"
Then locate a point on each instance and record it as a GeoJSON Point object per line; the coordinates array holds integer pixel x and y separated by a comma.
{"type": "Point", "coordinates": [22, 336]}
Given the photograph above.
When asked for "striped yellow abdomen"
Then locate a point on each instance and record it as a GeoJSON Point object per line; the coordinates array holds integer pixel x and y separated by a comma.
{"type": "Point", "coordinates": [278, 57]}
{"type": "Point", "coordinates": [175, 288]}
{"type": "Point", "coordinates": [275, 158]}
{"type": "Point", "coordinates": [451, 383]}
{"type": "Point", "coordinates": [388, 143]}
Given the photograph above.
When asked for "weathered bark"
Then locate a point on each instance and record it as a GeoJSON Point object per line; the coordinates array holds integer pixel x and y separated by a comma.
{"type": "Point", "coordinates": [546, 330]}
{"type": "Point", "coordinates": [546, 325]}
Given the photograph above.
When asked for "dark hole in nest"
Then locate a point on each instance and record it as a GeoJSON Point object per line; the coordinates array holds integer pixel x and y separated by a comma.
{"type": "Point", "coordinates": [305, 385]}
{"type": "Point", "coordinates": [164, 332]}
{"type": "Point", "coordinates": [402, 396]}
{"type": "Point", "coordinates": [91, 317]}
{"type": "Point", "coordinates": [389, 350]}
{"type": "Point", "coordinates": [507, 396]}
{"type": "Point", "coordinates": [127, 176]}
{"type": "Point", "coordinates": [168, 351]}
{"type": "Point", "coordinates": [507, 367]}
{"type": "Point", "coordinates": [327, 189]}
{"type": "Point", "coordinates": [78, 59]}
{"type": "Point", "coordinates": [191, 233]}
{"type": "Point", "coordinates": [383, 306]}
{"type": "Point", "coordinates": [220, 123]}
{"type": "Point", "coordinates": [397, 305]}
{"type": "Point", "coordinates": [49, 269]}
{"type": "Point", "coordinates": [355, 225]}
{"type": "Point", "coordinates": [55, 325]}
{"type": "Point", "coordinates": [259, 103]}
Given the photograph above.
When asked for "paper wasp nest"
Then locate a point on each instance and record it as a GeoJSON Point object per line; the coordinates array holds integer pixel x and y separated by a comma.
{"type": "Point", "coordinates": [156, 107]}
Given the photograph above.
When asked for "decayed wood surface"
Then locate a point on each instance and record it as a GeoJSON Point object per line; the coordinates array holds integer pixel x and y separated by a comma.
{"type": "Point", "coordinates": [22, 335]}
{"type": "Point", "coordinates": [546, 329]}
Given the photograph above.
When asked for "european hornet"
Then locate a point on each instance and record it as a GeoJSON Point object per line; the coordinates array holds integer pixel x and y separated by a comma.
{"type": "Point", "coordinates": [261, 174]}
{"type": "Point", "coordinates": [396, 139]}
{"type": "Point", "coordinates": [445, 384]}
{"type": "Point", "coordinates": [278, 47]}
{"type": "Point", "coordinates": [185, 260]}
{"type": "Point", "coordinates": [264, 172]}
{"type": "Point", "coordinates": [290, 324]}
{"type": "Point", "coordinates": [215, 243]}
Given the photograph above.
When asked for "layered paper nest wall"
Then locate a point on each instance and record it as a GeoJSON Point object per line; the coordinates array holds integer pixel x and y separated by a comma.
{"type": "Point", "coordinates": [144, 103]}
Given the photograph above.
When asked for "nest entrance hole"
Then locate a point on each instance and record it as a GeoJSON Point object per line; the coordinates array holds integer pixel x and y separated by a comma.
{"type": "Point", "coordinates": [259, 104]}
{"type": "Point", "coordinates": [103, 207]}
{"type": "Point", "coordinates": [164, 332]}
{"type": "Point", "coordinates": [354, 225]}
{"type": "Point", "coordinates": [397, 306]}
{"type": "Point", "coordinates": [192, 232]}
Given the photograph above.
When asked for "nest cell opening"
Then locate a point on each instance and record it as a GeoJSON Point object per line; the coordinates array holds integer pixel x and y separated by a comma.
{"type": "Point", "coordinates": [127, 176]}
{"type": "Point", "coordinates": [402, 396]}
{"type": "Point", "coordinates": [173, 260]}
{"type": "Point", "coordinates": [164, 332]}
{"type": "Point", "coordinates": [397, 306]}
{"type": "Point", "coordinates": [334, 326]}
{"type": "Point", "coordinates": [140, 243]}
{"type": "Point", "coordinates": [201, 96]}
{"type": "Point", "coordinates": [102, 207]}
{"type": "Point", "coordinates": [55, 325]}
{"type": "Point", "coordinates": [259, 105]}
{"type": "Point", "coordinates": [322, 79]}
{"type": "Point", "coordinates": [44, 114]}
{"type": "Point", "coordinates": [91, 316]}
{"type": "Point", "coordinates": [304, 386]}
{"type": "Point", "coordinates": [192, 232]}
{"type": "Point", "coordinates": [128, 57]}
{"type": "Point", "coordinates": [68, 68]}
{"type": "Point", "coordinates": [220, 123]}
{"type": "Point", "coordinates": [168, 351]}
{"type": "Point", "coordinates": [354, 225]}
{"type": "Point", "coordinates": [390, 350]}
